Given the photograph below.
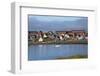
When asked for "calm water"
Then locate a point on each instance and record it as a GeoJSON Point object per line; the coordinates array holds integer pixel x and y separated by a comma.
{"type": "Point", "coordinates": [46, 52]}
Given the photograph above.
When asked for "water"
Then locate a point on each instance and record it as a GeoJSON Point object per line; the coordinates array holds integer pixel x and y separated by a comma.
{"type": "Point", "coordinates": [47, 52]}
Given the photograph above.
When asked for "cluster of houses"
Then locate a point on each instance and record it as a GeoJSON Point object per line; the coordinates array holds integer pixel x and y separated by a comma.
{"type": "Point", "coordinates": [40, 36]}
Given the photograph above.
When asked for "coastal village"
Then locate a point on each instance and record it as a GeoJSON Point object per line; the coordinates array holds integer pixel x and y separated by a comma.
{"type": "Point", "coordinates": [57, 37]}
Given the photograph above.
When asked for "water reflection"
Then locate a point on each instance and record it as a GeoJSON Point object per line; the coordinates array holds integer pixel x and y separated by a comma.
{"type": "Point", "coordinates": [47, 52]}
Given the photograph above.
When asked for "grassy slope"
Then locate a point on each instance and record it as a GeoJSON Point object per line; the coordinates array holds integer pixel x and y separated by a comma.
{"type": "Point", "coordinates": [74, 57]}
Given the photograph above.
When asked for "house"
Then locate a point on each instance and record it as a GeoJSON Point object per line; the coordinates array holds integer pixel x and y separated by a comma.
{"type": "Point", "coordinates": [40, 39]}
{"type": "Point", "coordinates": [79, 32]}
{"type": "Point", "coordinates": [32, 34]}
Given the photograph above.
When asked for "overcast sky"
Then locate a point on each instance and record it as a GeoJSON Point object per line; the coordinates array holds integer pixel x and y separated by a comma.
{"type": "Point", "coordinates": [57, 23]}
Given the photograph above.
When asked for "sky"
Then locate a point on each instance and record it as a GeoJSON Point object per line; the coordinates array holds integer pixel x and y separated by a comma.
{"type": "Point", "coordinates": [57, 23]}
